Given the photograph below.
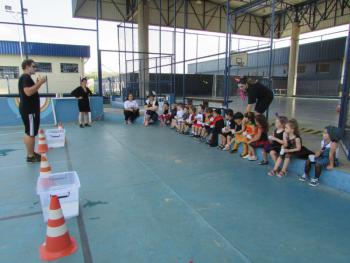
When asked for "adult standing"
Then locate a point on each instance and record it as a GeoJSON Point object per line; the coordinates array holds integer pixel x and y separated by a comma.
{"type": "Point", "coordinates": [29, 107]}
{"type": "Point", "coordinates": [82, 93]}
{"type": "Point", "coordinates": [131, 109]}
{"type": "Point", "coordinates": [257, 93]}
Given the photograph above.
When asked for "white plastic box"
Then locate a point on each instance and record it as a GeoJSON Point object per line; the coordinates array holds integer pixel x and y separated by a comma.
{"type": "Point", "coordinates": [55, 138]}
{"type": "Point", "coordinates": [66, 186]}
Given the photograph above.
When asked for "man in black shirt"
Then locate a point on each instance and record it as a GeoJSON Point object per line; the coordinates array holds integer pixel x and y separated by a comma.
{"type": "Point", "coordinates": [257, 94]}
{"type": "Point", "coordinates": [29, 107]}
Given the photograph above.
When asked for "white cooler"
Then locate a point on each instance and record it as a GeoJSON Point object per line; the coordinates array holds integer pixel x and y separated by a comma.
{"type": "Point", "coordinates": [66, 186]}
{"type": "Point", "coordinates": [55, 138]}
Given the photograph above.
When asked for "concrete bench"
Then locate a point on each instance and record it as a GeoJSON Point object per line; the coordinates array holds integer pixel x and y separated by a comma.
{"type": "Point", "coordinates": [206, 101]}
{"type": "Point", "coordinates": [335, 178]}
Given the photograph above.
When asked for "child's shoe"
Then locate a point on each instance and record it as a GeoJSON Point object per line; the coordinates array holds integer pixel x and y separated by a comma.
{"type": "Point", "coordinates": [272, 173]}
{"type": "Point", "coordinates": [314, 182]}
{"type": "Point", "coordinates": [303, 178]}
{"type": "Point", "coordinates": [281, 174]}
{"type": "Point", "coordinates": [252, 158]}
{"type": "Point", "coordinates": [263, 162]}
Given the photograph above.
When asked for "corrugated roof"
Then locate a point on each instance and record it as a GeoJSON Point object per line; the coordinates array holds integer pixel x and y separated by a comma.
{"type": "Point", "coordinates": [45, 49]}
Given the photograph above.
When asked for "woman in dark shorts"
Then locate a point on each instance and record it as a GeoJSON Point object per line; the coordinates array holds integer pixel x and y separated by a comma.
{"type": "Point", "coordinates": [257, 93]}
{"type": "Point", "coordinates": [82, 93]}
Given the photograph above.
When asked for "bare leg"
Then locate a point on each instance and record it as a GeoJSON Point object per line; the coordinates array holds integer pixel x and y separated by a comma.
{"type": "Point", "coordinates": [307, 167]}
{"type": "Point", "coordinates": [29, 142]}
{"type": "Point", "coordinates": [264, 154]}
{"type": "Point", "coordinates": [277, 164]}
{"type": "Point", "coordinates": [285, 164]}
{"type": "Point", "coordinates": [273, 155]}
{"type": "Point", "coordinates": [251, 151]}
{"type": "Point", "coordinates": [86, 118]}
{"type": "Point", "coordinates": [81, 118]}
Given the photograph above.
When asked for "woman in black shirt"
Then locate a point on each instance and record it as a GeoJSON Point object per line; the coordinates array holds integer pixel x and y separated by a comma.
{"type": "Point", "coordinates": [257, 94]}
{"type": "Point", "coordinates": [82, 93]}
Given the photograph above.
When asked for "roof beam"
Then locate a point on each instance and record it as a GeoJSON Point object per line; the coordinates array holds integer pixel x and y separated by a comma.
{"type": "Point", "coordinates": [246, 7]}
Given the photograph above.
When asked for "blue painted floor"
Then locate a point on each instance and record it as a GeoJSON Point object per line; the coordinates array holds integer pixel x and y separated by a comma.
{"type": "Point", "coordinates": [151, 195]}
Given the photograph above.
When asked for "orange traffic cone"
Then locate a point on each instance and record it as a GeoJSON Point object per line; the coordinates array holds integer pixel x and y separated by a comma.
{"type": "Point", "coordinates": [45, 167]}
{"type": "Point", "coordinates": [42, 146]}
{"type": "Point", "coordinates": [58, 242]}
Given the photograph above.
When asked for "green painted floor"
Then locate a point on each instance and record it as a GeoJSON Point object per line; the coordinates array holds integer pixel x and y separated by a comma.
{"type": "Point", "coordinates": [151, 195]}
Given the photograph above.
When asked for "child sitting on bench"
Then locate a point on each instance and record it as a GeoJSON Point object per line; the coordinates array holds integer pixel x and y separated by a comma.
{"type": "Point", "coordinates": [326, 158]}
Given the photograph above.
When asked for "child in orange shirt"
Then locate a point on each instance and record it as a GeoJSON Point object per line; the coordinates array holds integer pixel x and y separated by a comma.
{"type": "Point", "coordinates": [246, 135]}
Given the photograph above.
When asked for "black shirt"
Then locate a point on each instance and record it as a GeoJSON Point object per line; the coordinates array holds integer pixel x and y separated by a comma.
{"type": "Point", "coordinates": [151, 104]}
{"type": "Point", "coordinates": [257, 92]}
{"type": "Point", "coordinates": [28, 104]}
{"type": "Point", "coordinates": [238, 127]}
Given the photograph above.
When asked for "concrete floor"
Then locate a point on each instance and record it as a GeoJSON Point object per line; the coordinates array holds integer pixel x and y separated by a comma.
{"type": "Point", "coordinates": [151, 195]}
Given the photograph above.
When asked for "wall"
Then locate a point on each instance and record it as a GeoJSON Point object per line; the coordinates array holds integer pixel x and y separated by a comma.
{"type": "Point", "coordinates": [57, 82]}
{"type": "Point", "coordinates": [64, 109]}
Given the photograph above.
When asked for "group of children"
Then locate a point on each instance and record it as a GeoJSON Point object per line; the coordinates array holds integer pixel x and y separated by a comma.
{"type": "Point", "coordinates": [251, 132]}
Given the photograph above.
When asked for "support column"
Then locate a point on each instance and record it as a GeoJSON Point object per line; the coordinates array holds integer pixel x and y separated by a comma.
{"type": "Point", "coordinates": [293, 60]}
{"type": "Point", "coordinates": [143, 21]}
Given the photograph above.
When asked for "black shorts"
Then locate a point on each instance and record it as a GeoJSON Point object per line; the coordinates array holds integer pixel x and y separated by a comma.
{"type": "Point", "coordinates": [31, 123]}
{"type": "Point", "coordinates": [227, 134]}
{"type": "Point", "coordinates": [262, 104]}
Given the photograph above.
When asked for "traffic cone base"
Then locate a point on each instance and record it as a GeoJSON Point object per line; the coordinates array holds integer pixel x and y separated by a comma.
{"type": "Point", "coordinates": [47, 255]}
{"type": "Point", "coordinates": [58, 242]}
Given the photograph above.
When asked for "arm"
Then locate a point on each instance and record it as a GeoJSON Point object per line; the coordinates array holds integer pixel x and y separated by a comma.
{"type": "Point", "coordinates": [318, 153]}
{"type": "Point", "coordinates": [277, 140]}
{"type": "Point", "coordinates": [126, 108]}
{"type": "Point", "coordinates": [154, 108]}
{"type": "Point", "coordinates": [332, 153]}
{"type": "Point", "coordinates": [297, 149]}
{"type": "Point", "coordinates": [285, 140]}
{"type": "Point", "coordinates": [30, 91]}
{"type": "Point", "coordinates": [256, 137]}
{"type": "Point", "coordinates": [249, 108]}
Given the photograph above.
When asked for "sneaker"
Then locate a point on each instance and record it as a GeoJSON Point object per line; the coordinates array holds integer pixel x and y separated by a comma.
{"type": "Point", "coordinates": [252, 158]}
{"type": "Point", "coordinates": [245, 156]}
{"type": "Point", "coordinates": [263, 162]}
{"type": "Point", "coordinates": [81, 126]}
{"type": "Point", "coordinates": [303, 178]}
{"type": "Point", "coordinates": [233, 151]}
{"type": "Point", "coordinates": [88, 125]}
{"type": "Point", "coordinates": [314, 182]}
{"type": "Point", "coordinates": [272, 173]}
{"type": "Point", "coordinates": [281, 174]}
{"type": "Point", "coordinates": [221, 147]}
{"type": "Point", "coordinates": [36, 158]}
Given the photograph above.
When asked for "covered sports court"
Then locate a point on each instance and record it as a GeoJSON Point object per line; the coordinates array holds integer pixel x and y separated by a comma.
{"type": "Point", "coordinates": [152, 195]}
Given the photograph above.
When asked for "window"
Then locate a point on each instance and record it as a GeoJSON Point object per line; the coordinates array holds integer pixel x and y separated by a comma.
{"type": "Point", "coordinates": [69, 68]}
{"type": "Point", "coordinates": [301, 68]}
{"type": "Point", "coordinates": [43, 67]}
{"type": "Point", "coordinates": [9, 72]}
{"type": "Point", "coordinates": [322, 68]}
